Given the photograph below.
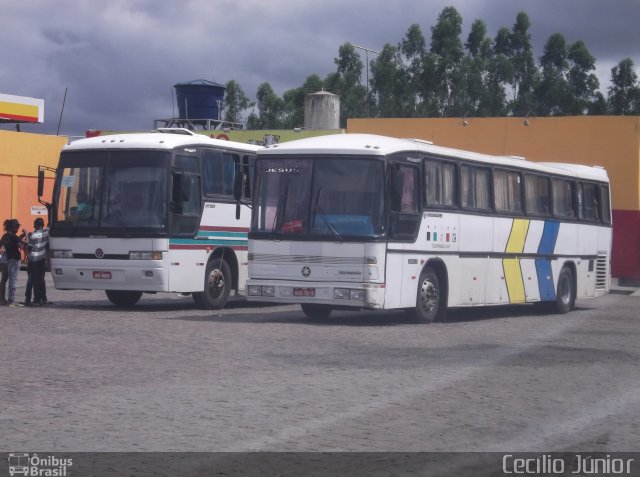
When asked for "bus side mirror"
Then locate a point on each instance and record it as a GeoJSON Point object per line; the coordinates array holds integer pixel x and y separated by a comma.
{"type": "Point", "coordinates": [40, 183]}
{"type": "Point", "coordinates": [176, 194]}
{"type": "Point", "coordinates": [238, 184]}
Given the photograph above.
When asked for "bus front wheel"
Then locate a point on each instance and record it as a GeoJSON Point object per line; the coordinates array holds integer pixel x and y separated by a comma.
{"type": "Point", "coordinates": [217, 286]}
{"type": "Point", "coordinates": [566, 294]}
{"type": "Point", "coordinates": [123, 298]}
{"type": "Point", "coordinates": [429, 300]}
{"type": "Point", "coordinates": [316, 312]}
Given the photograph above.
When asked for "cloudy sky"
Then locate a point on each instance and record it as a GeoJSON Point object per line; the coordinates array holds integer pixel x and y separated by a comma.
{"type": "Point", "coordinates": [119, 59]}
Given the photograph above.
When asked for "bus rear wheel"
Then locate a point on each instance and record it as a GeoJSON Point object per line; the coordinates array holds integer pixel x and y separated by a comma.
{"type": "Point", "coordinates": [316, 312]}
{"type": "Point", "coordinates": [566, 293]}
{"type": "Point", "coordinates": [217, 286]}
{"type": "Point", "coordinates": [123, 298]}
{"type": "Point", "coordinates": [429, 300]}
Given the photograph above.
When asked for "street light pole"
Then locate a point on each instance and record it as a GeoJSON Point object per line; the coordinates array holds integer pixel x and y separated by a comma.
{"type": "Point", "coordinates": [366, 55]}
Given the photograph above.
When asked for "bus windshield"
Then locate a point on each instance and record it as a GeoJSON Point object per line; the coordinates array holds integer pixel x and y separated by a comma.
{"type": "Point", "coordinates": [332, 197]}
{"type": "Point", "coordinates": [118, 190]}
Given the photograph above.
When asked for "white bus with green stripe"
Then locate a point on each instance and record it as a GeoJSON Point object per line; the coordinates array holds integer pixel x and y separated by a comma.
{"type": "Point", "coordinates": [368, 222]}
{"type": "Point", "coordinates": [152, 212]}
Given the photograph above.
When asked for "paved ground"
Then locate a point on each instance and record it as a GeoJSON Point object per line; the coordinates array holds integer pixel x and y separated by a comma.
{"type": "Point", "coordinates": [82, 375]}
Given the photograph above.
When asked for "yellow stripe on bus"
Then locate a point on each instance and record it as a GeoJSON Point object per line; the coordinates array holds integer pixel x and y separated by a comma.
{"type": "Point", "coordinates": [511, 266]}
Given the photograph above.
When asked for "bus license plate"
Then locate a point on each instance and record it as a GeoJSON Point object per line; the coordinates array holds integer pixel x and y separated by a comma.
{"type": "Point", "coordinates": [304, 292]}
{"type": "Point", "coordinates": [102, 275]}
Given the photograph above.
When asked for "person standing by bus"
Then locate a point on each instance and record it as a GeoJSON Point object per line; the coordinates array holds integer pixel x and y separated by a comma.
{"type": "Point", "coordinates": [12, 243]}
{"type": "Point", "coordinates": [4, 274]}
{"type": "Point", "coordinates": [38, 245]}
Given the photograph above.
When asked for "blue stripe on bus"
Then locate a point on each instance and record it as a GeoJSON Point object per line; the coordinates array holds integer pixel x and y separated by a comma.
{"type": "Point", "coordinates": [543, 265]}
{"type": "Point", "coordinates": [216, 233]}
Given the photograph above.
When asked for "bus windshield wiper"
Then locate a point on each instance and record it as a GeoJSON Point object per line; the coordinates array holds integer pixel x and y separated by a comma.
{"type": "Point", "coordinates": [322, 215]}
{"type": "Point", "coordinates": [121, 222]}
{"type": "Point", "coordinates": [282, 204]}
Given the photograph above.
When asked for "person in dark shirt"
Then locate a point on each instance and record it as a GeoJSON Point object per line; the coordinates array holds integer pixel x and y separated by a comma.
{"type": "Point", "coordinates": [12, 242]}
{"type": "Point", "coordinates": [4, 273]}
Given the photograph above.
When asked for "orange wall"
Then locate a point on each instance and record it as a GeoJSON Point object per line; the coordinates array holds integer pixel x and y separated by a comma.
{"type": "Point", "coordinates": [609, 141]}
{"type": "Point", "coordinates": [6, 192]}
{"type": "Point", "coordinates": [20, 156]}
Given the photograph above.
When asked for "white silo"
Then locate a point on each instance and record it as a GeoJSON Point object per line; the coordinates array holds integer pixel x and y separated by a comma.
{"type": "Point", "coordinates": [322, 110]}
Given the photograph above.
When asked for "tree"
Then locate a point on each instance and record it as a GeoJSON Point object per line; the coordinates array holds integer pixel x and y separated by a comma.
{"type": "Point", "coordinates": [270, 109]}
{"type": "Point", "coordinates": [347, 82]}
{"type": "Point", "coordinates": [552, 92]}
{"type": "Point", "coordinates": [485, 75]}
{"type": "Point", "coordinates": [582, 81]}
{"type": "Point", "coordinates": [348, 60]}
{"type": "Point", "coordinates": [624, 93]}
{"type": "Point", "coordinates": [525, 75]}
{"type": "Point", "coordinates": [235, 102]}
{"type": "Point", "coordinates": [413, 47]}
{"type": "Point", "coordinates": [447, 46]}
{"type": "Point", "coordinates": [388, 81]}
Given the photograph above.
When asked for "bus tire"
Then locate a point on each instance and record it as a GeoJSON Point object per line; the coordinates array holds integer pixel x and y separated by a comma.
{"type": "Point", "coordinates": [217, 286]}
{"type": "Point", "coordinates": [429, 299]}
{"type": "Point", "coordinates": [123, 298]}
{"type": "Point", "coordinates": [315, 311]}
{"type": "Point", "coordinates": [566, 293]}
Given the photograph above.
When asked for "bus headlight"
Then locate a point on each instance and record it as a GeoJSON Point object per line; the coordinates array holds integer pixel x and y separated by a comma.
{"type": "Point", "coordinates": [254, 290]}
{"type": "Point", "coordinates": [356, 295]}
{"type": "Point", "coordinates": [261, 290]}
{"type": "Point", "coordinates": [268, 290]}
{"type": "Point", "coordinates": [145, 255]}
{"type": "Point", "coordinates": [341, 293]}
{"type": "Point", "coordinates": [348, 294]}
{"type": "Point", "coordinates": [61, 254]}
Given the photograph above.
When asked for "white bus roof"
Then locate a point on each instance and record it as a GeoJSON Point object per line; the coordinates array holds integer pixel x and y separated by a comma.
{"type": "Point", "coordinates": [369, 144]}
{"type": "Point", "coordinates": [156, 140]}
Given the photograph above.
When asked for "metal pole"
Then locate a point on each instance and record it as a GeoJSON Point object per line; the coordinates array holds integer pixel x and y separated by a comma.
{"type": "Point", "coordinates": [62, 111]}
{"type": "Point", "coordinates": [366, 55]}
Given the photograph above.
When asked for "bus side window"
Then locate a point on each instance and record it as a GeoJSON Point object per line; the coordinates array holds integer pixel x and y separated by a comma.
{"type": "Point", "coordinates": [562, 195]}
{"type": "Point", "coordinates": [405, 201]}
{"type": "Point", "coordinates": [404, 189]}
{"type": "Point", "coordinates": [507, 191]}
{"type": "Point", "coordinates": [474, 187]}
{"type": "Point", "coordinates": [537, 194]}
{"type": "Point", "coordinates": [219, 172]}
{"type": "Point", "coordinates": [440, 183]}
{"type": "Point", "coordinates": [590, 201]}
{"type": "Point", "coordinates": [605, 204]}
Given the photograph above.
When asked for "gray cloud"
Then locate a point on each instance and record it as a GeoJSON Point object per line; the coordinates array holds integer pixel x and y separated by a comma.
{"type": "Point", "coordinates": [120, 59]}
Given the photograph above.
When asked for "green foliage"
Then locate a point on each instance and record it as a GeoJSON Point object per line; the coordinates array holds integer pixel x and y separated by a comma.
{"type": "Point", "coordinates": [485, 77]}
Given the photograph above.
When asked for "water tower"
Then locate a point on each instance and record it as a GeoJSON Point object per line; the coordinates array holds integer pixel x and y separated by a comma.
{"type": "Point", "coordinates": [322, 110]}
{"type": "Point", "coordinates": [199, 99]}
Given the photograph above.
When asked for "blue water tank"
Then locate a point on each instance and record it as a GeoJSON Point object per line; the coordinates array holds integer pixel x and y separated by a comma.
{"type": "Point", "coordinates": [198, 99]}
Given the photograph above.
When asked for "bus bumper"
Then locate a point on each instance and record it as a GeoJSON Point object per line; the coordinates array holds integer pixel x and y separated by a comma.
{"type": "Point", "coordinates": [145, 276]}
{"type": "Point", "coordinates": [338, 294]}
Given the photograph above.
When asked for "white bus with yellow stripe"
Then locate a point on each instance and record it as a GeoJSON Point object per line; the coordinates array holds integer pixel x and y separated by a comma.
{"type": "Point", "coordinates": [152, 212]}
{"type": "Point", "coordinates": [369, 222]}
